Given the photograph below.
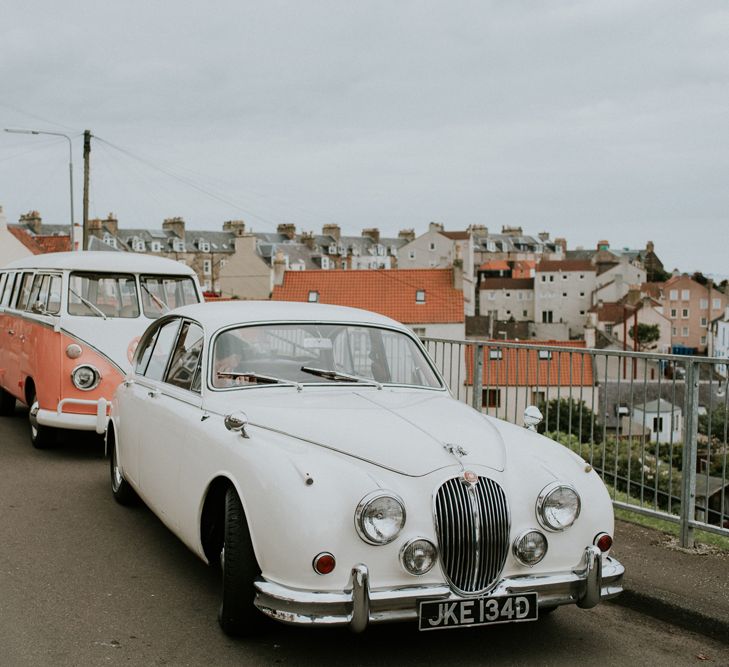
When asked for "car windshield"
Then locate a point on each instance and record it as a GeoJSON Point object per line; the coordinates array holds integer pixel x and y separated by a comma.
{"type": "Point", "coordinates": [318, 353]}
{"type": "Point", "coordinates": [160, 294]}
{"type": "Point", "coordinates": [102, 295]}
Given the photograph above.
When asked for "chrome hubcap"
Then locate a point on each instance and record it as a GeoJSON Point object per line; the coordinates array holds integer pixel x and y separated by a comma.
{"type": "Point", "coordinates": [33, 417]}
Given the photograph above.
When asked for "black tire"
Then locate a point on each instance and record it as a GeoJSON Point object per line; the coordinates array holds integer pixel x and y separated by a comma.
{"type": "Point", "coordinates": [7, 403]}
{"type": "Point", "coordinates": [122, 491]}
{"type": "Point", "coordinates": [41, 437]}
{"type": "Point", "coordinates": [238, 616]}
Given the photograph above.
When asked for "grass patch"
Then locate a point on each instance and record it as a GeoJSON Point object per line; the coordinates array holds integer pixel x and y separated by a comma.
{"type": "Point", "coordinates": [700, 536]}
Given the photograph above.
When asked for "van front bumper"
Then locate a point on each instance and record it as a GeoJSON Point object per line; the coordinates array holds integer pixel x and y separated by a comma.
{"type": "Point", "coordinates": [597, 578]}
{"type": "Point", "coordinates": [59, 419]}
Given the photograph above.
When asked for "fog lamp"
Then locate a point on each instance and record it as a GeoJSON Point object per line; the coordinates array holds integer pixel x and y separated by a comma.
{"type": "Point", "coordinates": [418, 556]}
{"type": "Point", "coordinates": [530, 547]}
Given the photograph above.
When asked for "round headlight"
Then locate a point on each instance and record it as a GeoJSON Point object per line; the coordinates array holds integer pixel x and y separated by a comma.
{"type": "Point", "coordinates": [379, 518]}
{"type": "Point", "coordinates": [418, 556]}
{"type": "Point", "coordinates": [85, 378]}
{"type": "Point", "coordinates": [530, 547]}
{"type": "Point", "coordinates": [558, 506]}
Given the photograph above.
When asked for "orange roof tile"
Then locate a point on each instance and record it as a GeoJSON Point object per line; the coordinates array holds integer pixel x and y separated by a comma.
{"type": "Point", "coordinates": [495, 265]}
{"type": "Point", "coordinates": [565, 265]}
{"type": "Point", "coordinates": [40, 244]}
{"type": "Point", "coordinates": [521, 367]}
{"type": "Point", "coordinates": [390, 292]}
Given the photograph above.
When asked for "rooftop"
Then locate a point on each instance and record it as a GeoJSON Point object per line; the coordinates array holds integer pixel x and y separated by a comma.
{"type": "Point", "coordinates": [394, 293]}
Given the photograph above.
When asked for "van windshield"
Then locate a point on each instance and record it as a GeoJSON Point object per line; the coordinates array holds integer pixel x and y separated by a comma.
{"type": "Point", "coordinates": [161, 294]}
{"type": "Point", "coordinates": [102, 295]}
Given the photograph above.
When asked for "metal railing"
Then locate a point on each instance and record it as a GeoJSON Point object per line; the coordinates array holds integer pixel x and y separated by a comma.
{"type": "Point", "coordinates": [654, 426]}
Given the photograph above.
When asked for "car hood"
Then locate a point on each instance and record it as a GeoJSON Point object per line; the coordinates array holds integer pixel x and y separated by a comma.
{"type": "Point", "coordinates": [406, 431]}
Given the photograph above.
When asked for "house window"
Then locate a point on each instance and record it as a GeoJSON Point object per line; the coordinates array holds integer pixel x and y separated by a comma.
{"type": "Point", "coordinates": [538, 397]}
{"type": "Point", "coordinates": [508, 312]}
{"type": "Point", "coordinates": [432, 245]}
{"type": "Point", "coordinates": [608, 327]}
{"type": "Point", "coordinates": [491, 398]}
{"type": "Point", "coordinates": [110, 240]}
{"type": "Point", "coordinates": [178, 245]}
{"type": "Point", "coordinates": [496, 354]}
{"type": "Point", "coordinates": [703, 304]}
{"type": "Point", "coordinates": [544, 279]}
{"type": "Point", "coordinates": [207, 267]}
{"type": "Point", "coordinates": [420, 296]}
{"type": "Point", "coordinates": [551, 279]}
{"type": "Point", "coordinates": [564, 276]}
{"type": "Point", "coordinates": [508, 295]}
{"type": "Point", "coordinates": [673, 295]}
{"type": "Point", "coordinates": [582, 294]}
{"type": "Point", "coordinates": [564, 294]}
{"type": "Point", "coordinates": [547, 317]}
{"type": "Point", "coordinates": [673, 331]}
{"type": "Point", "coordinates": [684, 313]}
{"type": "Point", "coordinates": [716, 304]}
{"type": "Point", "coordinates": [313, 296]}
{"type": "Point", "coordinates": [703, 340]}
{"type": "Point", "coordinates": [223, 262]}
{"type": "Point", "coordinates": [524, 313]}
{"type": "Point", "coordinates": [545, 354]}
{"type": "Point", "coordinates": [419, 332]}
{"type": "Point", "coordinates": [138, 245]}
{"type": "Point", "coordinates": [582, 312]}
{"type": "Point", "coordinates": [685, 331]}
{"type": "Point", "coordinates": [657, 424]}
{"type": "Point", "coordinates": [685, 295]}
{"type": "Point", "coordinates": [674, 313]}
{"type": "Point", "coordinates": [411, 254]}
{"type": "Point", "coordinates": [156, 246]}
{"type": "Point", "coordinates": [703, 321]}
{"type": "Point", "coordinates": [324, 262]}
{"type": "Point", "coordinates": [203, 246]}
{"type": "Point", "coordinates": [582, 276]}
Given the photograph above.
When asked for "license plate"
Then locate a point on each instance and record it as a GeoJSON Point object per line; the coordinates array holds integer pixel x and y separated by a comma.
{"type": "Point", "coordinates": [438, 615]}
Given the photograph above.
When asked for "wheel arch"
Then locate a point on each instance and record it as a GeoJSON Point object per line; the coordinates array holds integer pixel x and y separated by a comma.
{"type": "Point", "coordinates": [211, 516]}
{"type": "Point", "coordinates": [29, 390]}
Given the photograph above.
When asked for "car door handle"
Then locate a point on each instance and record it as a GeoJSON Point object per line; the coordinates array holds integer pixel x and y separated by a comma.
{"type": "Point", "coordinates": [153, 393]}
{"type": "Point", "coordinates": [128, 383]}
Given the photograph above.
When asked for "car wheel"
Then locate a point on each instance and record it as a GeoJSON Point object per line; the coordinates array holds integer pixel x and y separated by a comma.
{"type": "Point", "coordinates": [122, 491]}
{"type": "Point", "coordinates": [238, 616]}
{"type": "Point", "coordinates": [7, 403]}
{"type": "Point", "coordinates": [41, 437]}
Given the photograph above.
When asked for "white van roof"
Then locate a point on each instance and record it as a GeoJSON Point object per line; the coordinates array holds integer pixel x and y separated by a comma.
{"type": "Point", "coordinates": [90, 260]}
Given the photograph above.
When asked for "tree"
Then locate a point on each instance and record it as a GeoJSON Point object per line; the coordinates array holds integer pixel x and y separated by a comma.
{"type": "Point", "coordinates": [569, 416]}
{"type": "Point", "coordinates": [647, 334]}
{"type": "Point", "coordinates": [700, 278]}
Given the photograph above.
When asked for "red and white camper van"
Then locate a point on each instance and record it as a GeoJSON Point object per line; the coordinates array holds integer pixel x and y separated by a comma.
{"type": "Point", "coordinates": [69, 323]}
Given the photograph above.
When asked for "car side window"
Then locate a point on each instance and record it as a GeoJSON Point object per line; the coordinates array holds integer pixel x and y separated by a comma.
{"type": "Point", "coordinates": [184, 361]}
{"type": "Point", "coordinates": [160, 351]}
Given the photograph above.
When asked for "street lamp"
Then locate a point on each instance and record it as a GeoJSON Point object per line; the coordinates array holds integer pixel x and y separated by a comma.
{"type": "Point", "coordinates": [70, 166]}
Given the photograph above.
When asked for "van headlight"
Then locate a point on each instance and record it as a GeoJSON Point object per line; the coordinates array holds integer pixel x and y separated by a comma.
{"type": "Point", "coordinates": [379, 517]}
{"type": "Point", "coordinates": [558, 506]}
{"type": "Point", "coordinates": [85, 377]}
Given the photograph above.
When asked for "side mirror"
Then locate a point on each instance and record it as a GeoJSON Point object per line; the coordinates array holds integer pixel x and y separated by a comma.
{"type": "Point", "coordinates": [237, 421]}
{"type": "Point", "coordinates": [532, 417]}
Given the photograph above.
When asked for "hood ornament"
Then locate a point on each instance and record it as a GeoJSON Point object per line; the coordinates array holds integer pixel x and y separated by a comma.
{"type": "Point", "coordinates": [470, 477]}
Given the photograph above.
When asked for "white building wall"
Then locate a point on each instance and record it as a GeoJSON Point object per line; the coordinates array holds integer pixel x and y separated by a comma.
{"type": "Point", "coordinates": [567, 295]}
{"type": "Point", "coordinates": [10, 248]}
{"type": "Point", "coordinates": [508, 303]}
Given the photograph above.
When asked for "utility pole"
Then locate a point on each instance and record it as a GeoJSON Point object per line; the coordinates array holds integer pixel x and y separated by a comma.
{"type": "Point", "coordinates": [87, 151]}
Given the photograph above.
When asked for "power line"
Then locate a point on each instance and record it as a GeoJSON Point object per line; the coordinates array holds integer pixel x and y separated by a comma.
{"type": "Point", "coordinates": [37, 117]}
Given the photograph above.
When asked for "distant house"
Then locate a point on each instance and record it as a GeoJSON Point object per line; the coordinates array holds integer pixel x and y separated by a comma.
{"type": "Point", "coordinates": [660, 420]}
{"type": "Point", "coordinates": [35, 237]}
{"type": "Point", "coordinates": [507, 299]}
{"type": "Point", "coordinates": [710, 492]}
{"type": "Point", "coordinates": [515, 378]}
{"type": "Point", "coordinates": [429, 301]}
{"type": "Point", "coordinates": [563, 292]}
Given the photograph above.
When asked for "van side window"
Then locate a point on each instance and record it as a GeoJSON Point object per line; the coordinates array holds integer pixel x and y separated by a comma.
{"type": "Point", "coordinates": [22, 288]}
{"type": "Point", "coordinates": [53, 305]}
{"type": "Point", "coordinates": [184, 362]}
{"type": "Point", "coordinates": [41, 292]}
{"type": "Point", "coordinates": [35, 292]}
{"type": "Point", "coordinates": [3, 279]}
{"type": "Point", "coordinates": [7, 290]}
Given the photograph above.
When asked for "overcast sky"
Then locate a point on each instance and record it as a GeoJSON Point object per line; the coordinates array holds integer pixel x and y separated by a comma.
{"type": "Point", "coordinates": [587, 119]}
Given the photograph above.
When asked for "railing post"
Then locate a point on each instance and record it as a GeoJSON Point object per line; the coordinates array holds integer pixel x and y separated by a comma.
{"type": "Point", "coordinates": [477, 384]}
{"type": "Point", "coordinates": [690, 452]}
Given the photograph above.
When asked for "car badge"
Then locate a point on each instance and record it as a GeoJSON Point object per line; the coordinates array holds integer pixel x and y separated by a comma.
{"type": "Point", "coordinates": [470, 477]}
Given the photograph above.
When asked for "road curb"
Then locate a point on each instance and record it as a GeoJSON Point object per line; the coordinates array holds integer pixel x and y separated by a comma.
{"type": "Point", "coordinates": [664, 610]}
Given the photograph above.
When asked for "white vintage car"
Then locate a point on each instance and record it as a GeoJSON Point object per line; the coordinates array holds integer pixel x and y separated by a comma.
{"type": "Point", "coordinates": [316, 456]}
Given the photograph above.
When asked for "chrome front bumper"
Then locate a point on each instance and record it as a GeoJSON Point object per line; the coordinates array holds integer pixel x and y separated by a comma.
{"type": "Point", "coordinates": [594, 580]}
{"type": "Point", "coordinates": [59, 419]}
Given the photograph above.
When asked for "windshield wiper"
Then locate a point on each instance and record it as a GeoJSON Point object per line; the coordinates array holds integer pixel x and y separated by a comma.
{"type": "Point", "coordinates": [337, 376]}
{"type": "Point", "coordinates": [257, 378]}
{"type": "Point", "coordinates": [88, 303]}
{"type": "Point", "coordinates": [160, 303]}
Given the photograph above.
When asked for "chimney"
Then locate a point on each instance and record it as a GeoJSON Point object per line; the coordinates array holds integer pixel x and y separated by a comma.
{"type": "Point", "coordinates": [512, 231]}
{"type": "Point", "coordinates": [649, 247]}
{"type": "Point", "coordinates": [603, 245]}
{"type": "Point", "coordinates": [478, 230]}
{"type": "Point", "coordinates": [331, 230]}
{"type": "Point", "coordinates": [458, 270]}
{"type": "Point", "coordinates": [279, 267]}
{"type": "Point", "coordinates": [288, 230]}
{"type": "Point", "coordinates": [307, 238]}
{"type": "Point", "coordinates": [544, 237]}
{"type": "Point", "coordinates": [372, 233]}
{"type": "Point", "coordinates": [561, 243]}
{"type": "Point", "coordinates": [237, 227]}
{"type": "Point", "coordinates": [96, 227]}
{"type": "Point", "coordinates": [407, 234]}
{"type": "Point", "coordinates": [435, 227]}
{"type": "Point", "coordinates": [590, 336]}
{"type": "Point", "coordinates": [33, 220]}
{"type": "Point", "coordinates": [175, 225]}
{"type": "Point", "coordinates": [112, 224]}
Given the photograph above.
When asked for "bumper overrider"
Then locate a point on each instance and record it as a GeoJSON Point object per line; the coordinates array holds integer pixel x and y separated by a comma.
{"type": "Point", "coordinates": [595, 579]}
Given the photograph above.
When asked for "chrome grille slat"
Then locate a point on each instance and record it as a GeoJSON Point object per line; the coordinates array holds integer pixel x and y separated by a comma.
{"type": "Point", "coordinates": [472, 524]}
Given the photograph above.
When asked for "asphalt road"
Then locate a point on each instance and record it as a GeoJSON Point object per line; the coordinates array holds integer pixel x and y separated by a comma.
{"type": "Point", "coordinates": [84, 581]}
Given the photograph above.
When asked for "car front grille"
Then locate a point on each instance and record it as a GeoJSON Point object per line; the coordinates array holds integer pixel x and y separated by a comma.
{"type": "Point", "coordinates": [472, 523]}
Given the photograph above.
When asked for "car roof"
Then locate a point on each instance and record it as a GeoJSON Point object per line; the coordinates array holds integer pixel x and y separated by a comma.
{"type": "Point", "coordinates": [96, 260]}
{"type": "Point", "coordinates": [224, 313]}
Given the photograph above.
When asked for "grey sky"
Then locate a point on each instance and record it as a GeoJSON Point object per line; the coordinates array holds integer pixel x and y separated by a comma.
{"type": "Point", "coordinates": [587, 119]}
